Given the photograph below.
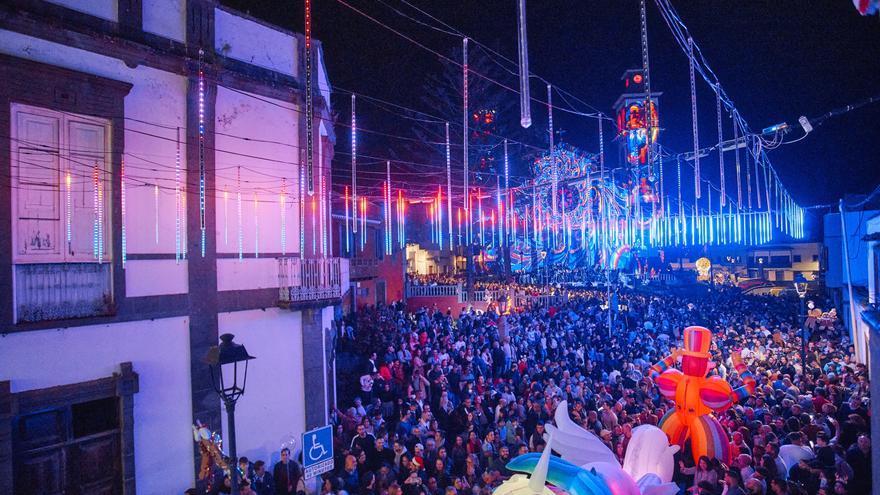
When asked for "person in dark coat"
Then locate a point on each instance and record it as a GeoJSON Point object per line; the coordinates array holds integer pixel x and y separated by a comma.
{"type": "Point", "coordinates": [286, 474]}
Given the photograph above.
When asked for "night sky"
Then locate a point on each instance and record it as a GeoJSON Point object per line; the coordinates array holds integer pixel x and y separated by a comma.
{"type": "Point", "coordinates": [777, 61]}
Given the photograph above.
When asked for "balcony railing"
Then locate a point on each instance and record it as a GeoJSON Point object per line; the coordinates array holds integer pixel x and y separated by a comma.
{"type": "Point", "coordinates": [60, 291]}
{"type": "Point", "coordinates": [302, 280]}
{"type": "Point", "coordinates": [432, 290]}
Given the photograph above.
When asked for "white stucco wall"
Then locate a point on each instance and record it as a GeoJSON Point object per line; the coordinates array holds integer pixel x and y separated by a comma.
{"type": "Point", "coordinates": [254, 43]}
{"type": "Point", "coordinates": [155, 277]}
{"type": "Point", "coordinates": [272, 126]}
{"type": "Point", "coordinates": [105, 9]}
{"type": "Point", "coordinates": [165, 18]}
{"type": "Point", "coordinates": [159, 353]}
{"type": "Point", "coordinates": [272, 410]}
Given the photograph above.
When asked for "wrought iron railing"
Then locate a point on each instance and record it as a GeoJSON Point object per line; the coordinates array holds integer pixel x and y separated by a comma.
{"type": "Point", "coordinates": [301, 280]}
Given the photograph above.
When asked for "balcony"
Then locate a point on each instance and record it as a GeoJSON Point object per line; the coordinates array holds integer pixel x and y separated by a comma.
{"type": "Point", "coordinates": [311, 280]}
{"type": "Point", "coordinates": [363, 268]}
{"type": "Point", "coordinates": [61, 291]}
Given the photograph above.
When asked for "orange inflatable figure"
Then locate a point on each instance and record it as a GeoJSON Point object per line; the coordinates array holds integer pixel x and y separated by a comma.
{"type": "Point", "coordinates": [697, 396]}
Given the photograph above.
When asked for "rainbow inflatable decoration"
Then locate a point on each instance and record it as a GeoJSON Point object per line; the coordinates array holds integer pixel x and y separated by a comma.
{"type": "Point", "coordinates": [588, 467]}
{"type": "Point", "coordinates": [697, 397]}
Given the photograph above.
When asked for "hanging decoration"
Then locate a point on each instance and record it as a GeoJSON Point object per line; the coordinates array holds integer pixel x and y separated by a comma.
{"type": "Point", "coordinates": [694, 119]}
{"type": "Point", "coordinates": [448, 187]}
{"type": "Point", "coordinates": [722, 198]}
{"type": "Point", "coordinates": [282, 206]}
{"type": "Point", "coordinates": [388, 207]}
{"type": "Point", "coordinates": [525, 118]}
{"type": "Point", "coordinates": [69, 210]}
{"type": "Point", "coordinates": [401, 220]}
{"type": "Point", "coordinates": [178, 204]}
{"type": "Point", "coordinates": [310, 176]}
{"type": "Point", "coordinates": [650, 113]}
{"type": "Point", "coordinates": [98, 227]}
{"type": "Point", "coordinates": [347, 225]}
{"type": "Point", "coordinates": [240, 226]}
{"type": "Point", "coordinates": [554, 166]}
{"type": "Point", "coordinates": [225, 216]}
{"type": "Point", "coordinates": [256, 228]}
{"type": "Point", "coordinates": [466, 134]}
{"type": "Point", "coordinates": [354, 197]}
{"type": "Point", "coordinates": [363, 223]}
{"type": "Point", "coordinates": [739, 191]}
{"type": "Point", "coordinates": [122, 200]}
{"type": "Point", "coordinates": [156, 211]}
{"type": "Point", "coordinates": [201, 157]}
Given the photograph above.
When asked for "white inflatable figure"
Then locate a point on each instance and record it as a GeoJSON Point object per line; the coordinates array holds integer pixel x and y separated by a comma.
{"type": "Point", "coordinates": [618, 480]}
{"type": "Point", "coordinates": [647, 467]}
{"type": "Point", "coordinates": [522, 484]}
{"type": "Point", "coordinates": [649, 452]}
{"type": "Point", "coordinates": [575, 444]}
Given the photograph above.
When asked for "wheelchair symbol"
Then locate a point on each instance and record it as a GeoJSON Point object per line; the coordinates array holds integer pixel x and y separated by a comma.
{"type": "Point", "coordinates": [317, 450]}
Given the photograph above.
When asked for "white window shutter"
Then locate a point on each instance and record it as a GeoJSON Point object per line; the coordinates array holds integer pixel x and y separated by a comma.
{"type": "Point", "coordinates": [86, 151]}
{"type": "Point", "coordinates": [38, 233]}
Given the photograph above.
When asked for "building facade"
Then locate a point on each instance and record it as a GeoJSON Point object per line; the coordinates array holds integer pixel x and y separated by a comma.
{"type": "Point", "coordinates": [157, 193]}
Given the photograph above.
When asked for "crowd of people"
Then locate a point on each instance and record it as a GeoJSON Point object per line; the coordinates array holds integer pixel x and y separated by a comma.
{"type": "Point", "coordinates": [446, 401]}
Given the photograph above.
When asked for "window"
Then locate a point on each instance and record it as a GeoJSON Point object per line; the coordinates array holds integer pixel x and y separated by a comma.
{"type": "Point", "coordinates": [815, 258]}
{"type": "Point", "coordinates": [61, 203]}
{"type": "Point", "coordinates": [61, 183]}
{"type": "Point", "coordinates": [380, 244]}
{"type": "Point", "coordinates": [796, 258]}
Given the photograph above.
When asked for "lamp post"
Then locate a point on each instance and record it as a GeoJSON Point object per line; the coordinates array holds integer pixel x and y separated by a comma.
{"type": "Point", "coordinates": [229, 363]}
{"type": "Point", "coordinates": [800, 285]}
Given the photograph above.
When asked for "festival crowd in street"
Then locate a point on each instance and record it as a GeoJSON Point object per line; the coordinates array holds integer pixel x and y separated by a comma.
{"type": "Point", "coordinates": [445, 402]}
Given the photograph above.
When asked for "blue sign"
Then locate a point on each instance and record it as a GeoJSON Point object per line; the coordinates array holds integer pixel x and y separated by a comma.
{"type": "Point", "coordinates": [317, 451]}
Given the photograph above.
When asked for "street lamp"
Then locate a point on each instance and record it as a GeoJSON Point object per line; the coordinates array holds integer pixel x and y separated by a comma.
{"type": "Point", "coordinates": [229, 363]}
{"type": "Point", "coordinates": [801, 286]}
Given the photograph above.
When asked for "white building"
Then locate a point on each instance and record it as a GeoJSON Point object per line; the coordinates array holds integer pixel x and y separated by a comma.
{"type": "Point", "coordinates": [151, 182]}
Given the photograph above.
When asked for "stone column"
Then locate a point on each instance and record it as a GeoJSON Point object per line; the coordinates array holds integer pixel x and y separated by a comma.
{"type": "Point", "coordinates": [315, 367]}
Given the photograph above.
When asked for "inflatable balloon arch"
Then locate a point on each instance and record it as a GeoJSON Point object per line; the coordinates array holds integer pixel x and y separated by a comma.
{"type": "Point", "coordinates": [586, 466]}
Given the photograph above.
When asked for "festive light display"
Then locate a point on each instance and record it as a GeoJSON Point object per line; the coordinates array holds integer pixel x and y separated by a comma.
{"type": "Point", "coordinates": [449, 187]}
{"type": "Point", "coordinates": [387, 191]}
{"type": "Point", "coordinates": [256, 228]}
{"type": "Point", "coordinates": [465, 137]}
{"type": "Point", "coordinates": [723, 196]}
{"type": "Point", "coordinates": [122, 200]}
{"type": "Point", "coordinates": [201, 158]}
{"type": "Point", "coordinates": [282, 206]}
{"type": "Point", "coordinates": [554, 166]}
{"type": "Point", "coordinates": [347, 226]}
{"type": "Point", "coordinates": [240, 226]}
{"type": "Point", "coordinates": [354, 197]}
{"type": "Point", "coordinates": [156, 212]}
{"type": "Point", "coordinates": [69, 210]}
{"type": "Point", "coordinates": [310, 177]}
{"type": "Point", "coordinates": [98, 202]}
{"type": "Point", "coordinates": [525, 118]}
{"type": "Point", "coordinates": [694, 119]}
{"type": "Point", "coordinates": [178, 204]}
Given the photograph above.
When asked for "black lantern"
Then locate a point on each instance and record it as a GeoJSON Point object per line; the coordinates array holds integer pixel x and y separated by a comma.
{"type": "Point", "coordinates": [229, 363]}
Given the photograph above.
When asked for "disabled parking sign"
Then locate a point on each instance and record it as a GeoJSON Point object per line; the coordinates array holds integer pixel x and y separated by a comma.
{"type": "Point", "coordinates": [317, 451]}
